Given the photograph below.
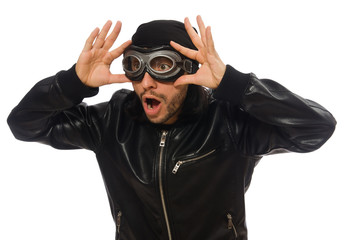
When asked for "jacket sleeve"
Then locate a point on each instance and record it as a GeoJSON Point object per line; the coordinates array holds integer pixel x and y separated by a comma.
{"type": "Point", "coordinates": [270, 118]}
{"type": "Point", "coordinates": [52, 113]}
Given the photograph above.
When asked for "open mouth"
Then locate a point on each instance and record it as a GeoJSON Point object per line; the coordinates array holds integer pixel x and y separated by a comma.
{"type": "Point", "coordinates": [152, 103]}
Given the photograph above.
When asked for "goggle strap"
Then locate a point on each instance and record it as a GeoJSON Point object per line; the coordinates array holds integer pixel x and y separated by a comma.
{"type": "Point", "coordinates": [185, 65]}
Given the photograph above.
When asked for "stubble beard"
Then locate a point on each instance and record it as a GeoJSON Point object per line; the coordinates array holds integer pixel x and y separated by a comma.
{"type": "Point", "coordinates": [173, 107]}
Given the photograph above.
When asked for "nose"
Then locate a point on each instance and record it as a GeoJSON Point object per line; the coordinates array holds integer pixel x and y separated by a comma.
{"type": "Point", "coordinates": [148, 82]}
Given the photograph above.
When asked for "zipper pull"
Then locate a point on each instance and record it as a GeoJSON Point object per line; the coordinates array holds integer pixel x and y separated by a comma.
{"type": "Point", "coordinates": [119, 215]}
{"type": "Point", "coordinates": [163, 138]}
{"type": "Point", "coordinates": [230, 221]}
{"type": "Point", "coordinates": [177, 166]}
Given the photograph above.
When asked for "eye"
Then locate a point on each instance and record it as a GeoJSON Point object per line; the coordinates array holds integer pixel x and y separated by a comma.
{"type": "Point", "coordinates": [161, 64]}
{"type": "Point", "coordinates": [164, 67]}
{"type": "Point", "coordinates": [135, 64]}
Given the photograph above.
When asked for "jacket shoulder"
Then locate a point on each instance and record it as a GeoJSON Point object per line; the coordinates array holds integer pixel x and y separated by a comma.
{"type": "Point", "coordinates": [122, 93]}
{"type": "Point", "coordinates": [121, 96]}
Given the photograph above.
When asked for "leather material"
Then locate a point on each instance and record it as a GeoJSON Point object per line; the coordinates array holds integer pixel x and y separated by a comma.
{"type": "Point", "coordinates": [186, 180]}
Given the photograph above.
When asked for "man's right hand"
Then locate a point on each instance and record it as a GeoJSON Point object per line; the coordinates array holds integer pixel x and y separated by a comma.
{"type": "Point", "coordinates": [93, 66]}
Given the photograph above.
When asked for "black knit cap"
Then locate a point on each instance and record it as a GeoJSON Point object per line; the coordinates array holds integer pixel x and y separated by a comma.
{"type": "Point", "coordinates": [160, 32]}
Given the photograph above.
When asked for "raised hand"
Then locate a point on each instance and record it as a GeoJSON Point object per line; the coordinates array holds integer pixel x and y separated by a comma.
{"type": "Point", "coordinates": [212, 68]}
{"type": "Point", "coordinates": [93, 66]}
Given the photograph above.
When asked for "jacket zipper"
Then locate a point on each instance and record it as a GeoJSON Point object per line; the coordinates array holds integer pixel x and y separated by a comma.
{"type": "Point", "coordinates": [119, 215]}
{"type": "Point", "coordinates": [231, 224]}
{"type": "Point", "coordinates": [179, 163]}
{"type": "Point", "coordinates": [162, 147]}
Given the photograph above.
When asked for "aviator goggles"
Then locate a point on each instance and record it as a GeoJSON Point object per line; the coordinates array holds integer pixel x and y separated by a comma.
{"type": "Point", "coordinates": [162, 63]}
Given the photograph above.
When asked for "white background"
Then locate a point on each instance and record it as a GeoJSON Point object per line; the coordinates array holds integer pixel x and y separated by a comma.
{"type": "Point", "coordinates": [313, 47]}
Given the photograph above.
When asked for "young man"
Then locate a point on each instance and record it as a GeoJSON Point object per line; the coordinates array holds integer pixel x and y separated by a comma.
{"type": "Point", "coordinates": [178, 152]}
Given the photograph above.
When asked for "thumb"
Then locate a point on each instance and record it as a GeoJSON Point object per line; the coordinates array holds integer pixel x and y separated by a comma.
{"type": "Point", "coordinates": [185, 79]}
{"type": "Point", "coordinates": [118, 78]}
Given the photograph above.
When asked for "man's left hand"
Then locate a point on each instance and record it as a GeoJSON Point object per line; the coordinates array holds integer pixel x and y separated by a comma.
{"type": "Point", "coordinates": [212, 68]}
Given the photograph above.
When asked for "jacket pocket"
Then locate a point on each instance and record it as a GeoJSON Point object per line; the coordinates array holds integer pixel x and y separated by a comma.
{"type": "Point", "coordinates": [190, 160]}
{"type": "Point", "coordinates": [231, 225]}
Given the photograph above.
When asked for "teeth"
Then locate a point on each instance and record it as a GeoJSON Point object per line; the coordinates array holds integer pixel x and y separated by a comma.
{"type": "Point", "coordinates": [149, 105]}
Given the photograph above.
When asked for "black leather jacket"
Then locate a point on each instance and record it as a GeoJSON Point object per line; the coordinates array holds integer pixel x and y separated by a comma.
{"type": "Point", "coordinates": [185, 181]}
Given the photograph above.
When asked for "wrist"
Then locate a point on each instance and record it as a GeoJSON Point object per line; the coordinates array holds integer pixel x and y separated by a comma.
{"type": "Point", "coordinates": [72, 86]}
{"type": "Point", "coordinates": [232, 86]}
{"type": "Point", "coordinates": [220, 74]}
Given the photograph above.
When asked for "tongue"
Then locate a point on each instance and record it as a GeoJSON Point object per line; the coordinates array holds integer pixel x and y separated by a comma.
{"type": "Point", "coordinates": [155, 102]}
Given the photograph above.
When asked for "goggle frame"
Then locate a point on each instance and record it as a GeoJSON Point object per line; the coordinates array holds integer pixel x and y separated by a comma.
{"type": "Point", "coordinates": [146, 55]}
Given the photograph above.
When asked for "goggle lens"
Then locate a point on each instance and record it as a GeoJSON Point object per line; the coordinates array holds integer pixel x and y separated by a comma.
{"type": "Point", "coordinates": [162, 64]}
{"type": "Point", "coordinates": [131, 63]}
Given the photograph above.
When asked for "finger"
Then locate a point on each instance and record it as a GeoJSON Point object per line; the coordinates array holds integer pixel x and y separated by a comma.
{"type": "Point", "coordinates": [118, 51]}
{"type": "Point", "coordinates": [186, 79]}
{"type": "Point", "coordinates": [89, 43]}
{"type": "Point", "coordinates": [113, 36]}
{"type": "Point", "coordinates": [209, 41]}
{"type": "Point", "coordinates": [195, 38]}
{"type": "Point", "coordinates": [190, 53]}
{"type": "Point", "coordinates": [102, 35]}
{"type": "Point", "coordinates": [118, 78]}
{"type": "Point", "coordinates": [202, 28]}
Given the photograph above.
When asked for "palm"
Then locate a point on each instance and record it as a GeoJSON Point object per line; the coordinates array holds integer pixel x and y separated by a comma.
{"type": "Point", "coordinates": [212, 68]}
{"type": "Point", "coordinates": [93, 66]}
{"type": "Point", "coordinates": [207, 75]}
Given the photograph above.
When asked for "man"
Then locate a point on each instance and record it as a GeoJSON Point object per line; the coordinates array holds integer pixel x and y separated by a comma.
{"type": "Point", "coordinates": [178, 152]}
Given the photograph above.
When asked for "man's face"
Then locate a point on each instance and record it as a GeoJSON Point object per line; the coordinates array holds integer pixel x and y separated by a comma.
{"type": "Point", "coordinates": [161, 101]}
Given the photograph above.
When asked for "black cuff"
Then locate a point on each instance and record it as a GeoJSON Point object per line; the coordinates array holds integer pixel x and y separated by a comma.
{"type": "Point", "coordinates": [232, 86]}
{"type": "Point", "coordinates": [72, 87]}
